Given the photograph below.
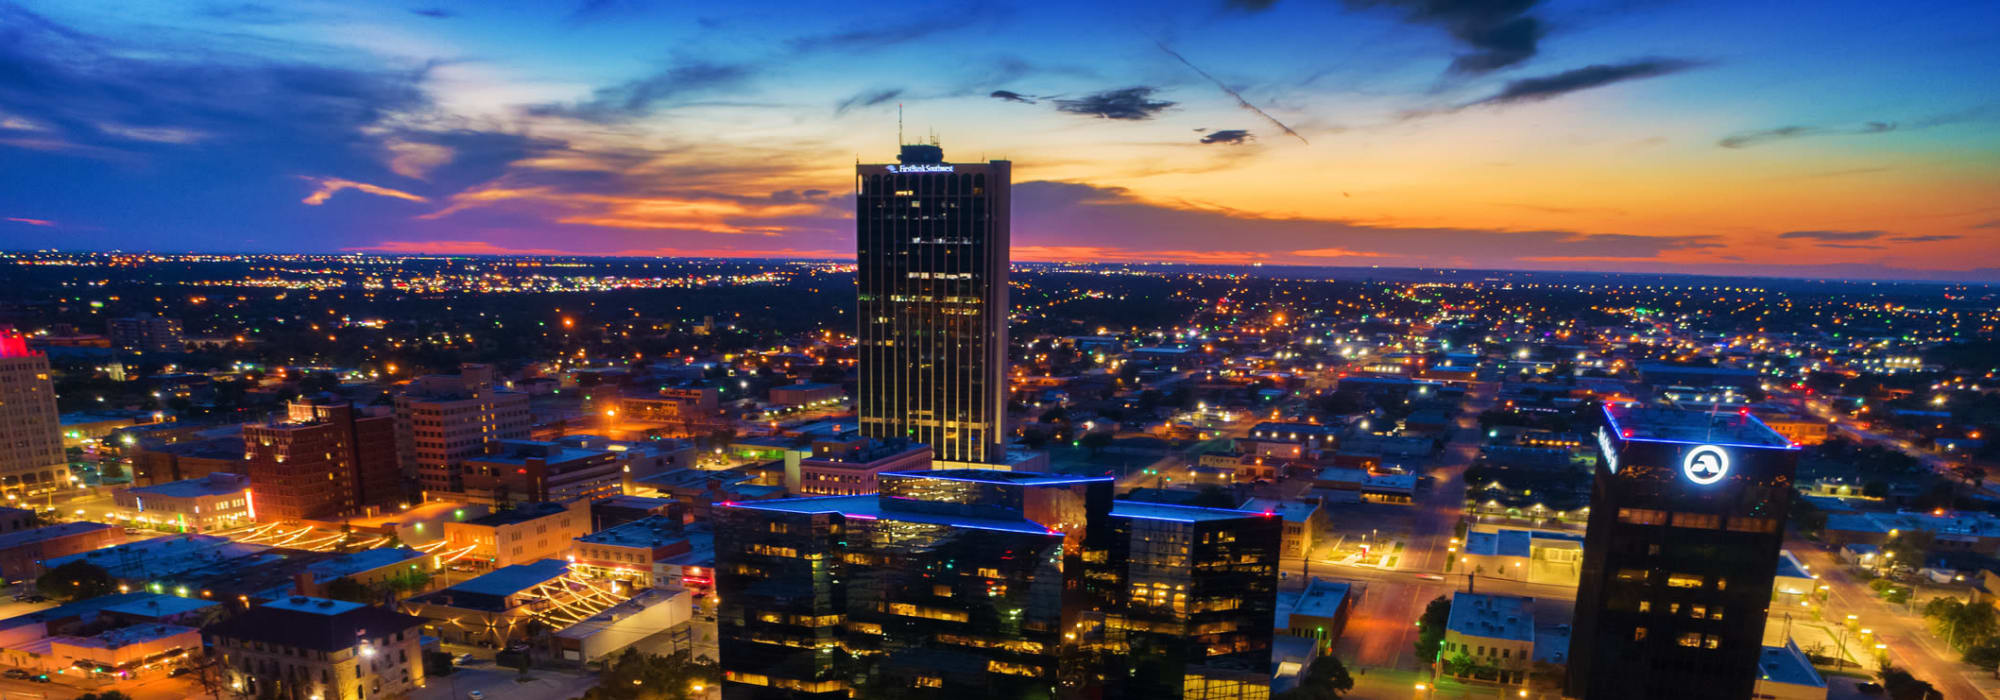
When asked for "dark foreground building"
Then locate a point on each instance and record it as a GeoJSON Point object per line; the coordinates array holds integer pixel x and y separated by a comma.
{"type": "Point", "coordinates": [971, 583]}
{"type": "Point", "coordinates": [1686, 520]}
{"type": "Point", "coordinates": [931, 242]}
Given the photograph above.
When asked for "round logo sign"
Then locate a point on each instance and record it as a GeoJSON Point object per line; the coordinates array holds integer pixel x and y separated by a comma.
{"type": "Point", "coordinates": [1705, 464]}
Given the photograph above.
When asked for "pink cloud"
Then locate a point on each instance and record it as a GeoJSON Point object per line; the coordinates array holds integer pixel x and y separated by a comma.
{"type": "Point", "coordinates": [31, 222]}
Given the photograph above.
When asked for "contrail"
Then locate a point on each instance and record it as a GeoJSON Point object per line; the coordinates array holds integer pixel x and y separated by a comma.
{"type": "Point", "coordinates": [1232, 93]}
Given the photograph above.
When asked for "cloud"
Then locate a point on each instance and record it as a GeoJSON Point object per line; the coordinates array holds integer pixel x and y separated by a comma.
{"type": "Point", "coordinates": [873, 35]}
{"type": "Point", "coordinates": [433, 12]}
{"type": "Point", "coordinates": [1745, 139]}
{"type": "Point", "coordinates": [637, 98]}
{"type": "Point", "coordinates": [1011, 96]}
{"type": "Point", "coordinates": [1833, 235]}
{"type": "Point", "coordinates": [867, 99]}
{"type": "Point", "coordinates": [1500, 33]}
{"type": "Point", "coordinates": [1133, 103]}
{"type": "Point", "coordinates": [1233, 94]}
{"type": "Point", "coordinates": [1925, 239]}
{"type": "Point", "coordinates": [326, 187]}
{"type": "Point", "coordinates": [1751, 138]}
{"type": "Point", "coordinates": [1593, 76]}
{"type": "Point", "coordinates": [1334, 253]}
{"type": "Point", "coordinates": [1990, 224]}
{"type": "Point", "coordinates": [31, 222]}
{"type": "Point", "coordinates": [1058, 214]}
{"type": "Point", "coordinates": [1228, 136]}
{"type": "Point", "coordinates": [1851, 246]}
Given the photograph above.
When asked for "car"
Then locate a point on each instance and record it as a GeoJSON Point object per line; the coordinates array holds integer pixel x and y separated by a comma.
{"type": "Point", "coordinates": [16, 674]}
{"type": "Point", "coordinates": [36, 598]}
{"type": "Point", "coordinates": [476, 695]}
{"type": "Point", "coordinates": [1868, 688]}
{"type": "Point", "coordinates": [464, 659]}
{"type": "Point", "coordinates": [39, 678]}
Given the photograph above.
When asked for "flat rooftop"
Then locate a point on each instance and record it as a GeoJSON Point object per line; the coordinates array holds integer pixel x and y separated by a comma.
{"type": "Point", "coordinates": [162, 556]}
{"type": "Point", "coordinates": [1291, 511]}
{"type": "Point", "coordinates": [868, 507]}
{"type": "Point", "coordinates": [1790, 566]}
{"type": "Point", "coordinates": [1322, 598]}
{"type": "Point", "coordinates": [364, 560]}
{"type": "Point", "coordinates": [159, 605]}
{"type": "Point", "coordinates": [1492, 616]}
{"type": "Point", "coordinates": [46, 532]}
{"type": "Point", "coordinates": [648, 532]}
{"type": "Point", "coordinates": [216, 484]}
{"type": "Point", "coordinates": [518, 514]}
{"type": "Point", "coordinates": [1185, 514]}
{"type": "Point", "coordinates": [316, 606]}
{"type": "Point", "coordinates": [520, 451]}
{"type": "Point", "coordinates": [508, 580]}
{"type": "Point", "coordinates": [1739, 429]}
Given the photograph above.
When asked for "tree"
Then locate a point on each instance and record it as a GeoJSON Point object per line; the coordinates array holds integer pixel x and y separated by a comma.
{"type": "Point", "coordinates": [1430, 627]}
{"type": "Point", "coordinates": [1903, 686]}
{"type": "Point", "coordinates": [1910, 547]}
{"type": "Point", "coordinates": [1096, 441]}
{"type": "Point", "coordinates": [350, 590]}
{"type": "Point", "coordinates": [76, 580]}
{"type": "Point", "coordinates": [1325, 679]}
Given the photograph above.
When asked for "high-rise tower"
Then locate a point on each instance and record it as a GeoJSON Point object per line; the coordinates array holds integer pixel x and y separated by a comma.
{"type": "Point", "coordinates": [1686, 519]}
{"type": "Point", "coordinates": [931, 251]}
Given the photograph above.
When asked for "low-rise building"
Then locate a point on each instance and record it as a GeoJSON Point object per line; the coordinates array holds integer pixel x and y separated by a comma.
{"type": "Point", "coordinates": [807, 394]}
{"type": "Point", "coordinates": [1304, 520]}
{"type": "Point", "coordinates": [368, 567]}
{"type": "Point", "coordinates": [125, 652]}
{"type": "Point", "coordinates": [851, 467]}
{"type": "Point", "coordinates": [213, 501]}
{"type": "Point", "coordinates": [1537, 556]}
{"type": "Point", "coordinates": [1489, 637]}
{"type": "Point", "coordinates": [525, 533]}
{"type": "Point", "coordinates": [22, 552]}
{"type": "Point", "coordinates": [1318, 613]}
{"type": "Point", "coordinates": [533, 471]}
{"type": "Point", "coordinates": [302, 647]}
{"type": "Point", "coordinates": [631, 552]}
{"type": "Point", "coordinates": [493, 608]}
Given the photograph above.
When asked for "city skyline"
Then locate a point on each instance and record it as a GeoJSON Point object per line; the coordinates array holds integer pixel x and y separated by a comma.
{"type": "Point", "coordinates": [1695, 138]}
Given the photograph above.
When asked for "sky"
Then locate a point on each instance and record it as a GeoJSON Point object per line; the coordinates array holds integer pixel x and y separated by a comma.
{"type": "Point", "coordinates": [1829, 139]}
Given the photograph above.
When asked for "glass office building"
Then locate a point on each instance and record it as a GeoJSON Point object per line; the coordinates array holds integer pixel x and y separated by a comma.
{"type": "Point", "coordinates": [1687, 516]}
{"type": "Point", "coordinates": [931, 242]}
{"type": "Point", "coordinates": [979, 583]}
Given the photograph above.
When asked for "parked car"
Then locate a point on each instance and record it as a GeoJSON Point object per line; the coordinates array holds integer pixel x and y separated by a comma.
{"type": "Point", "coordinates": [1869, 688]}
{"type": "Point", "coordinates": [182, 671]}
{"type": "Point", "coordinates": [16, 674]}
{"type": "Point", "coordinates": [476, 695]}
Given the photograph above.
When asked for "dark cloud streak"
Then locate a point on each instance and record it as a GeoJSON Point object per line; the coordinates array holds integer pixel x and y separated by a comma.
{"type": "Point", "coordinates": [637, 98]}
{"type": "Point", "coordinates": [1833, 235]}
{"type": "Point", "coordinates": [1240, 102]}
{"type": "Point", "coordinates": [1594, 76]}
{"type": "Point", "coordinates": [1233, 137]}
{"type": "Point", "coordinates": [867, 99]}
{"type": "Point", "coordinates": [1129, 104]}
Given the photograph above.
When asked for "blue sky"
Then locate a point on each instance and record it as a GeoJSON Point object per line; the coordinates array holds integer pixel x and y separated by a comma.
{"type": "Point", "coordinates": [1776, 138]}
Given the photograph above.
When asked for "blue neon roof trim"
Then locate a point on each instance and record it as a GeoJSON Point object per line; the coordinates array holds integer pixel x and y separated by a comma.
{"type": "Point", "coordinates": [1180, 514]}
{"type": "Point", "coordinates": [1029, 478]}
{"type": "Point", "coordinates": [868, 507]}
{"type": "Point", "coordinates": [1619, 432]}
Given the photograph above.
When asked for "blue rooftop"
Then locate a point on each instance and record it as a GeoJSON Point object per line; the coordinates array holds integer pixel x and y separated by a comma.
{"type": "Point", "coordinates": [1492, 616]}
{"type": "Point", "coordinates": [1786, 664]}
{"type": "Point", "coordinates": [216, 484]}
{"type": "Point", "coordinates": [995, 476]}
{"type": "Point", "coordinates": [1790, 566]}
{"type": "Point", "coordinates": [364, 560]}
{"type": "Point", "coordinates": [508, 580]}
{"type": "Point", "coordinates": [158, 605]}
{"type": "Point", "coordinates": [316, 606]}
{"type": "Point", "coordinates": [1185, 514]}
{"type": "Point", "coordinates": [868, 507]}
